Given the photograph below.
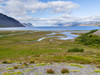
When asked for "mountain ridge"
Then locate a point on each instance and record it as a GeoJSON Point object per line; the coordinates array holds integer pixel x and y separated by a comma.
{"type": "Point", "coordinates": [6, 21]}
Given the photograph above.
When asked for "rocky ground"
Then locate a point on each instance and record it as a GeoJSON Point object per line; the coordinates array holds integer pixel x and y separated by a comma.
{"type": "Point", "coordinates": [41, 69]}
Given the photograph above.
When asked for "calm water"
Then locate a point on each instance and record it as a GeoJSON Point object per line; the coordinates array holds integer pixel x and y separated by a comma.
{"type": "Point", "coordinates": [60, 29]}
{"type": "Point", "coordinates": [53, 28]}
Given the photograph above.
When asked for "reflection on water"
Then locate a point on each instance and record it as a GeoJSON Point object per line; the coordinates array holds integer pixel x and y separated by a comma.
{"type": "Point", "coordinates": [41, 38]}
{"type": "Point", "coordinates": [68, 36]}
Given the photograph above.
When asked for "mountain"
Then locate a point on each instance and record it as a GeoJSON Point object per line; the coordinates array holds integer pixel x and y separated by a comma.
{"type": "Point", "coordinates": [6, 21]}
{"type": "Point", "coordinates": [27, 24]}
{"type": "Point", "coordinates": [88, 23]}
{"type": "Point", "coordinates": [97, 33]}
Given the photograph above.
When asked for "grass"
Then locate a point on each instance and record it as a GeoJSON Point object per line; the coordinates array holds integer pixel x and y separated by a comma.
{"type": "Point", "coordinates": [89, 39]}
{"type": "Point", "coordinates": [28, 70]}
{"type": "Point", "coordinates": [7, 73]}
{"type": "Point", "coordinates": [97, 71]}
{"type": "Point", "coordinates": [41, 64]}
{"type": "Point", "coordinates": [17, 72]}
{"type": "Point", "coordinates": [13, 49]}
{"type": "Point", "coordinates": [10, 68]}
{"type": "Point", "coordinates": [76, 50]}
{"type": "Point", "coordinates": [75, 71]}
{"type": "Point", "coordinates": [12, 73]}
{"type": "Point", "coordinates": [77, 65]}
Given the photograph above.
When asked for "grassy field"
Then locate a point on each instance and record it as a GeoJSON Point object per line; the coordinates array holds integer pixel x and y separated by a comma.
{"type": "Point", "coordinates": [25, 48]}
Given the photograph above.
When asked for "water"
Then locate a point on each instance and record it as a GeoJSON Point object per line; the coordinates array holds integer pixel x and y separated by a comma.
{"type": "Point", "coordinates": [53, 28]}
{"type": "Point", "coordinates": [68, 35]}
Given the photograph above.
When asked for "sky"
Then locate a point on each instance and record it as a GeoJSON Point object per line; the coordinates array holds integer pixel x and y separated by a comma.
{"type": "Point", "coordinates": [51, 12]}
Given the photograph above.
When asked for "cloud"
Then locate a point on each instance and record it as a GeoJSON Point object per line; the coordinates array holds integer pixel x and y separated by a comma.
{"type": "Point", "coordinates": [21, 10]}
{"type": "Point", "coordinates": [19, 7]}
{"type": "Point", "coordinates": [64, 20]}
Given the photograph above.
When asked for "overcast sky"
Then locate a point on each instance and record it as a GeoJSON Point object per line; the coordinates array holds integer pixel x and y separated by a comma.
{"type": "Point", "coordinates": [51, 12]}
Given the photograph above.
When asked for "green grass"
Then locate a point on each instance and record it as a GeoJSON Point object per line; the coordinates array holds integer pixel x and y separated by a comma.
{"type": "Point", "coordinates": [97, 71]}
{"type": "Point", "coordinates": [77, 65]}
{"type": "Point", "coordinates": [13, 49]}
{"type": "Point", "coordinates": [41, 64]}
{"type": "Point", "coordinates": [28, 70]}
{"type": "Point", "coordinates": [10, 68]}
{"type": "Point", "coordinates": [12, 73]}
{"type": "Point", "coordinates": [89, 39]}
{"type": "Point", "coordinates": [76, 50]}
{"type": "Point", "coordinates": [7, 73]}
{"type": "Point", "coordinates": [75, 71]}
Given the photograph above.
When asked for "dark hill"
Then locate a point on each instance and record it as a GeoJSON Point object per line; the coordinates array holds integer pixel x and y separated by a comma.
{"type": "Point", "coordinates": [6, 21]}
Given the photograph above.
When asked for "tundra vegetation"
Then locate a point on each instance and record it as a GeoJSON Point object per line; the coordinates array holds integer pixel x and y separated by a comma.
{"type": "Point", "coordinates": [25, 48]}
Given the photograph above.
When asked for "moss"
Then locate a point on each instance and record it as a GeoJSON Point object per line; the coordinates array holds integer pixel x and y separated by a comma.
{"type": "Point", "coordinates": [41, 64]}
{"type": "Point", "coordinates": [75, 71]}
{"type": "Point", "coordinates": [64, 70]}
{"type": "Point", "coordinates": [16, 67]}
{"type": "Point", "coordinates": [50, 71]}
{"type": "Point", "coordinates": [7, 73]}
{"type": "Point", "coordinates": [6, 62]}
{"type": "Point", "coordinates": [31, 62]}
{"type": "Point", "coordinates": [10, 68]}
{"type": "Point", "coordinates": [28, 70]}
{"type": "Point", "coordinates": [98, 66]}
{"type": "Point", "coordinates": [17, 72]}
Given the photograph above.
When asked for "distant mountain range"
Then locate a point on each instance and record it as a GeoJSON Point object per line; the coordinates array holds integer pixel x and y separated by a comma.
{"type": "Point", "coordinates": [6, 21]}
{"type": "Point", "coordinates": [27, 24]}
{"type": "Point", "coordinates": [88, 23]}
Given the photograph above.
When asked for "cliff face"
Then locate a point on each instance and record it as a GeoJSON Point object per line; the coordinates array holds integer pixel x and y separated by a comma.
{"type": "Point", "coordinates": [6, 21]}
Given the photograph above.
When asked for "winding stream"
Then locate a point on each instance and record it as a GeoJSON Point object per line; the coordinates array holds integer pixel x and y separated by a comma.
{"type": "Point", "coordinates": [68, 35]}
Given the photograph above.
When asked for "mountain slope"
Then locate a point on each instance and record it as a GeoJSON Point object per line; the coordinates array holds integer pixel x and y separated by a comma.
{"type": "Point", "coordinates": [97, 33]}
{"type": "Point", "coordinates": [6, 21]}
{"type": "Point", "coordinates": [27, 24]}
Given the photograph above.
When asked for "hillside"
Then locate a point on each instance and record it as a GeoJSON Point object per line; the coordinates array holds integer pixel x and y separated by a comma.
{"type": "Point", "coordinates": [97, 33]}
{"type": "Point", "coordinates": [6, 21]}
